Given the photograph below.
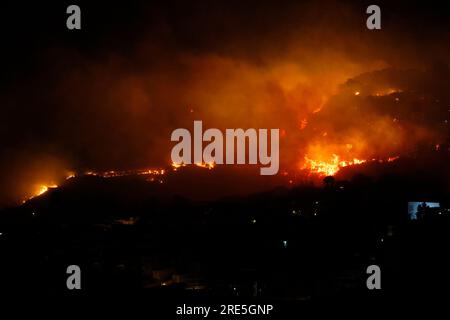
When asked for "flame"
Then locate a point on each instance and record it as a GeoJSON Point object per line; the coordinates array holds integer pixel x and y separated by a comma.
{"type": "Point", "coordinates": [124, 173]}
{"type": "Point", "coordinates": [319, 167]}
{"type": "Point", "coordinates": [303, 123]}
{"type": "Point", "coordinates": [175, 166]}
{"type": "Point", "coordinates": [208, 165]}
{"type": "Point", "coordinates": [44, 188]}
{"type": "Point", "coordinates": [142, 172]}
{"type": "Point", "coordinates": [330, 168]}
{"type": "Point", "coordinates": [40, 190]}
{"type": "Point", "coordinates": [390, 159]}
{"type": "Point", "coordinates": [324, 168]}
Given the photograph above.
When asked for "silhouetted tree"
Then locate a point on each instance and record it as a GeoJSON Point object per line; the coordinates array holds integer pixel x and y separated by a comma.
{"type": "Point", "coordinates": [329, 181]}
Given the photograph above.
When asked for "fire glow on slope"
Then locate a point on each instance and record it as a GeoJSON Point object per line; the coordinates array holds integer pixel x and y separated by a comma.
{"type": "Point", "coordinates": [330, 168]}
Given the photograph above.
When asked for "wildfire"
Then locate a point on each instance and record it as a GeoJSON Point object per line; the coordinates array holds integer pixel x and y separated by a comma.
{"type": "Point", "coordinates": [152, 173]}
{"type": "Point", "coordinates": [40, 189]}
{"type": "Point", "coordinates": [390, 159]}
{"type": "Point", "coordinates": [387, 92]}
{"type": "Point", "coordinates": [175, 166]}
{"type": "Point", "coordinates": [319, 167]}
{"type": "Point", "coordinates": [324, 168]}
{"type": "Point", "coordinates": [43, 189]}
{"type": "Point", "coordinates": [70, 175]}
{"type": "Point", "coordinates": [303, 124]}
{"type": "Point", "coordinates": [208, 165]}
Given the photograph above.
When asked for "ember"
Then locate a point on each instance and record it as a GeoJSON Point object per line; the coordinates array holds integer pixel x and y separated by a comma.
{"type": "Point", "coordinates": [323, 168]}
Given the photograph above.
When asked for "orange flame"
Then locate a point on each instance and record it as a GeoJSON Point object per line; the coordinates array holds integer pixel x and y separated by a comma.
{"type": "Point", "coordinates": [323, 168]}
{"type": "Point", "coordinates": [39, 190]}
{"type": "Point", "coordinates": [387, 92]}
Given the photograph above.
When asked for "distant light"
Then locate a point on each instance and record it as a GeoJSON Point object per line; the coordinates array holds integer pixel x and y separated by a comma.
{"type": "Point", "coordinates": [254, 221]}
{"type": "Point", "coordinates": [382, 239]}
{"type": "Point", "coordinates": [285, 243]}
{"type": "Point", "coordinates": [413, 208]}
{"type": "Point", "coordinates": [357, 93]}
{"type": "Point", "coordinates": [33, 213]}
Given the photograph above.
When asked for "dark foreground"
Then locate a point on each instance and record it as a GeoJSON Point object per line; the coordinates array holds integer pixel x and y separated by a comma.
{"type": "Point", "coordinates": [288, 248]}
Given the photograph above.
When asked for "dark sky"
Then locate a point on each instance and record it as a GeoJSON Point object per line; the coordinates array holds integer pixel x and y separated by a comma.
{"type": "Point", "coordinates": [109, 95]}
